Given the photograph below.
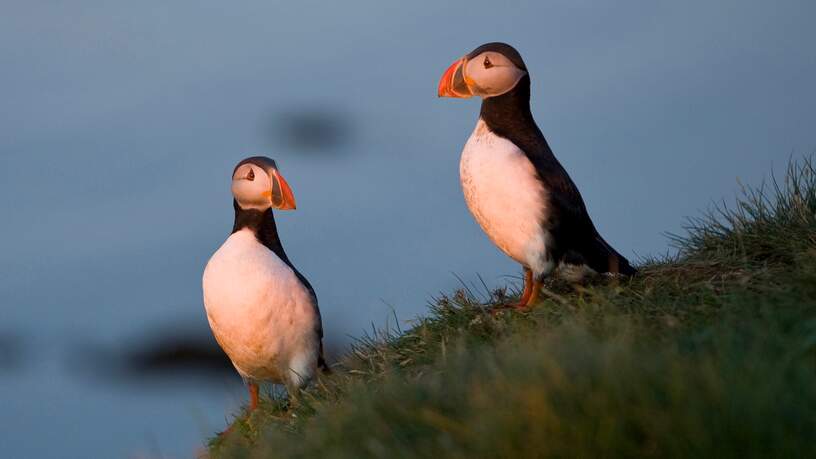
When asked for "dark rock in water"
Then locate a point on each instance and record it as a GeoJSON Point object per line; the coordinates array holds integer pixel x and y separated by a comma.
{"type": "Point", "coordinates": [191, 352]}
{"type": "Point", "coordinates": [166, 355]}
{"type": "Point", "coordinates": [178, 353]}
{"type": "Point", "coordinates": [170, 354]}
{"type": "Point", "coordinates": [10, 352]}
{"type": "Point", "coordinates": [315, 130]}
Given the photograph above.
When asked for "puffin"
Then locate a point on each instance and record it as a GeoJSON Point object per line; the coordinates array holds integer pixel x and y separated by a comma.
{"type": "Point", "coordinates": [261, 309]}
{"type": "Point", "coordinates": [514, 186]}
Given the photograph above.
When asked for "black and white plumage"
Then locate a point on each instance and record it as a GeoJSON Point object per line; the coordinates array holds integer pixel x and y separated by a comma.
{"type": "Point", "coordinates": [514, 186]}
{"type": "Point", "coordinates": [262, 311]}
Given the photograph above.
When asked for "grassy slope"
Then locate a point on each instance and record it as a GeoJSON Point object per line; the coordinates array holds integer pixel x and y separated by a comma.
{"type": "Point", "coordinates": [710, 353]}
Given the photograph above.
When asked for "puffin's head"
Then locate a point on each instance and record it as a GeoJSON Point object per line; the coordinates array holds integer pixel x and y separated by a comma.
{"type": "Point", "coordinates": [257, 184]}
{"type": "Point", "coordinates": [489, 70]}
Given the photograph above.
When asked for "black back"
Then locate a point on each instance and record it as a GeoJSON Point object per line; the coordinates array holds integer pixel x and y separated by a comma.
{"type": "Point", "coordinates": [574, 235]}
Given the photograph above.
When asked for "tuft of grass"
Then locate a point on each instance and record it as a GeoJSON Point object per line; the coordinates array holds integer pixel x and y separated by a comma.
{"type": "Point", "coordinates": [770, 223]}
{"type": "Point", "coordinates": [708, 353]}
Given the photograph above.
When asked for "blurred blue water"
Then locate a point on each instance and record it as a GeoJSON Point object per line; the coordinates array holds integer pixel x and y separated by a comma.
{"type": "Point", "coordinates": [120, 124]}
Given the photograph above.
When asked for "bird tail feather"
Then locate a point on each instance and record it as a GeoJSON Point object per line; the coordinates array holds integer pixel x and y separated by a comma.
{"type": "Point", "coordinates": [321, 361]}
{"type": "Point", "coordinates": [605, 259]}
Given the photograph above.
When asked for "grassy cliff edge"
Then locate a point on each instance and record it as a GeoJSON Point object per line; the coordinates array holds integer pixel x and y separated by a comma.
{"type": "Point", "coordinates": [710, 352]}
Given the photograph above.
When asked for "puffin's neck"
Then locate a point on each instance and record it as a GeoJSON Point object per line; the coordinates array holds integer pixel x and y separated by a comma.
{"type": "Point", "coordinates": [509, 116]}
{"type": "Point", "coordinates": [262, 224]}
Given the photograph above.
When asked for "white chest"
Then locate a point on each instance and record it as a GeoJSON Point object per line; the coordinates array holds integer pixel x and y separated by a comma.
{"type": "Point", "coordinates": [260, 313]}
{"type": "Point", "coordinates": [505, 196]}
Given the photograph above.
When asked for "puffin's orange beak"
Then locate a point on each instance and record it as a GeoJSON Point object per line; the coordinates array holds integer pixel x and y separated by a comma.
{"type": "Point", "coordinates": [280, 194]}
{"type": "Point", "coordinates": [453, 82]}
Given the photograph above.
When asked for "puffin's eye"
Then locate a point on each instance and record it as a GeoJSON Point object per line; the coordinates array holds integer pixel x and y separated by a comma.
{"type": "Point", "coordinates": [487, 63]}
{"type": "Point", "coordinates": [251, 175]}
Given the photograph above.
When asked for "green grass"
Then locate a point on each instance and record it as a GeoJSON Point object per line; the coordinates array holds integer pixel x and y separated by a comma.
{"type": "Point", "coordinates": [709, 353]}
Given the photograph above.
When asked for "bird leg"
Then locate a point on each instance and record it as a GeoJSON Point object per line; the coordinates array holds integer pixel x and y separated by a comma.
{"type": "Point", "coordinates": [528, 288]}
{"type": "Point", "coordinates": [533, 297]}
{"type": "Point", "coordinates": [525, 294]}
{"type": "Point", "coordinates": [253, 396]}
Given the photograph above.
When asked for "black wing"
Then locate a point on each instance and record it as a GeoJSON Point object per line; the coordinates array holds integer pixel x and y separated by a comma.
{"type": "Point", "coordinates": [509, 116]}
{"type": "Point", "coordinates": [569, 223]}
{"type": "Point", "coordinates": [574, 234]}
{"type": "Point", "coordinates": [321, 361]}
